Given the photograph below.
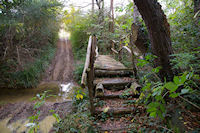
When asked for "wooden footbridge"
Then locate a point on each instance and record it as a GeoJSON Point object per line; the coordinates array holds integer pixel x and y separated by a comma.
{"type": "Point", "coordinates": [112, 87]}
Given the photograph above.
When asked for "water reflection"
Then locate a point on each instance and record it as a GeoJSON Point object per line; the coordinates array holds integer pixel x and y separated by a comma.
{"type": "Point", "coordinates": [66, 91]}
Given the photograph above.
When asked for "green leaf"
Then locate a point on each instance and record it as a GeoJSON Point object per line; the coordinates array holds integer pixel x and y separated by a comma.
{"type": "Point", "coordinates": [159, 114]}
{"type": "Point", "coordinates": [171, 86]}
{"type": "Point", "coordinates": [158, 98]}
{"type": "Point", "coordinates": [176, 80]}
{"type": "Point", "coordinates": [153, 105]}
{"type": "Point", "coordinates": [57, 117]}
{"type": "Point", "coordinates": [51, 111]}
{"type": "Point", "coordinates": [162, 108]}
{"type": "Point", "coordinates": [151, 110]}
{"type": "Point", "coordinates": [153, 114]}
{"type": "Point", "coordinates": [183, 78]}
{"type": "Point", "coordinates": [156, 70]}
{"type": "Point", "coordinates": [174, 95]}
{"type": "Point", "coordinates": [148, 85]}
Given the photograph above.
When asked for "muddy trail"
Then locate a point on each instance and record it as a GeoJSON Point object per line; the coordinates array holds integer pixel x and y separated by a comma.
{"type": "Point", "coordinates": [61, 68]}
{"type": "Point", "coordinates": [16, 107]}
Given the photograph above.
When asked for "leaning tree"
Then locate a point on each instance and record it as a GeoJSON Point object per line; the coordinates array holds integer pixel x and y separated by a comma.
{"type": "Point", "coordinates": [159, 33]}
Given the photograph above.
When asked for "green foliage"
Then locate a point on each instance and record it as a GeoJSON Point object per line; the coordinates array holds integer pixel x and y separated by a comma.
{"type": "Point", "coordinates": [30, 76]}
{"type": "Point", "coordinates": [185, 34]}
{"type": "Point", "coordinates": [79, 95]}
{"type": "Point", "coordinates": [78, 72]}
{"type": "Point", "coordinates": [79, 120]}
{"type": "Point", "coordinates": [155, 92]}
{"type": "Point", "coordinates": [186, 61]}
{"type": "Point", "coordinates": [34, 119]}
{"type": "Point", "coordinates": [28, 29]}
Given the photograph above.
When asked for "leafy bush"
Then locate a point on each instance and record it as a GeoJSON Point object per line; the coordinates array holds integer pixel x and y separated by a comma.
{"type": "Point", "coordinates": [78, 72]}
{"type": "Point", "coordinates": [30, 76]}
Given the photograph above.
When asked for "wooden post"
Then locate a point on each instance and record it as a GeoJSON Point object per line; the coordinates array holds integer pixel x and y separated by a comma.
{"type": "Point", "coordinates": [90, 75]}
{"type": "Point", "coordinates": [133, 38]}
{"type": "Point", "coordinates": [120, 52]}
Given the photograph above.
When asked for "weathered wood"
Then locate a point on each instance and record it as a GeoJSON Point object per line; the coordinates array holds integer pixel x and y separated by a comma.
{"type": "Point", "coordinates": [117, 111]}
{"type": "Point", "coordinates": [113, 73]}
{"type": "Point", "coordinates": [128, 49]}
{"type": "Point", "coordinates": [99, 91]}
{"type": "Point", "coordinates": [87, 62]}
{"type": "Point", "coordinates": [115, 51]}
{"type": "Point", "coordinates": [90, 74]}
{"type": "Point", "coordinates": [114, 69]}
{"type": "Point", "coordinates": [115, 96]}
{"type": "Point", "coordinates": [124, 129]}
{"type": "Point", "coordinates": [133, 38]}
{"type": "Point", "coordinates": [107, 62]}
{"type": "Point", "coordinates": [97, 52]}
{"type": "Point", "coordinates": [114, 83]}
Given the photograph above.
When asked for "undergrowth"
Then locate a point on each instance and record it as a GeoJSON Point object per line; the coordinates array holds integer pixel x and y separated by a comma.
{"type": "Point", "coordinates": [30, 76]}
{"type": "Point", "coordinates": [80, 119]}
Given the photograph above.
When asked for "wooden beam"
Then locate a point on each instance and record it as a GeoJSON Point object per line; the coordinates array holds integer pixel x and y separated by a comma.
{"type": "Point", "coordinates": [90, 74]}
{"type": "Point", "coordinates": [115, 51]}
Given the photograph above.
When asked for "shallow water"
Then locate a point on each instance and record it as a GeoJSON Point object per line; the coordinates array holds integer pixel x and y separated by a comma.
{"type": "Point", "coordinates": [61, 91]}
{"type": "Point", "coordinates": [20, 126]}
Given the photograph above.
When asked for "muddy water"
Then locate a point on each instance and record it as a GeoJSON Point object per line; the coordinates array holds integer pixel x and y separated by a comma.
{"type": "Point", "coordinates": [20, 125]}
{"type": "Point", "coordinates": [63, 92]}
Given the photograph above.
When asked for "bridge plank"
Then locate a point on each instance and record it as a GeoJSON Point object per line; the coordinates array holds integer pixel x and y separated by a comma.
{"type": "Point", "coordinates": [107, 62]}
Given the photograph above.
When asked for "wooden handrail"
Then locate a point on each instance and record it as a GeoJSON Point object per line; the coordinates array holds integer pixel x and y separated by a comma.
{"type": "Point", "coordinates": [87, 62]}
{"type": "Point", "coordinates": [125, 47]}
{"type": "Point", "coordinates": [90, 50]}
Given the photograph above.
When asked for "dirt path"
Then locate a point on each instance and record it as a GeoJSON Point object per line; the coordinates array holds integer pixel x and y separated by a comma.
{"type": "Point", "coordinates": [61, 68]}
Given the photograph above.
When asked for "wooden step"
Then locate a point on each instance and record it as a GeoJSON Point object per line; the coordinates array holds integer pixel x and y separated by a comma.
{"type": "Point", "coordinates": [114, 130]}
{"type": "Point", "coordinates": [113, 73]}
{"type": "Point", "coordinates": [112, 96]}
{"type": "Point", "coordinates": [123, 94]}
{"type": "Point", "coordinates": [116, 111]}
{"type": "Point", "coordinates": [115, 125]}
{"type": "Point", "coordinates": [114, 83]}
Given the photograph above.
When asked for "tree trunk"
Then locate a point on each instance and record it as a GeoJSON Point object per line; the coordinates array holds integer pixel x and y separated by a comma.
{"type": "Point", "coordinates": [142, 39]}
{"type": "Point", "coordinates": [111, 23]}
{"type": "Point", "coordinates": [92, 7]}
{"type": "Point", "coordinates": [158, 29]}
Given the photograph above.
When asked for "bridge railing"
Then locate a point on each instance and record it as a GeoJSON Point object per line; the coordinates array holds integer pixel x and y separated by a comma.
{"type": "Point", "coordinates": [88, 72]}
{"type": "Point", "coordinates": [132, 56]}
